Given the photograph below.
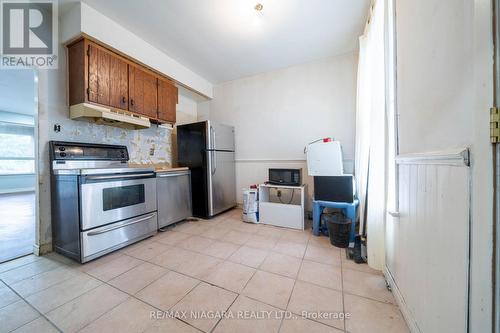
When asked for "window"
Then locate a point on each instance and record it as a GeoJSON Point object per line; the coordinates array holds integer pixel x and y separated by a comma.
{"type": "Point", "coordinates": [17, 149]}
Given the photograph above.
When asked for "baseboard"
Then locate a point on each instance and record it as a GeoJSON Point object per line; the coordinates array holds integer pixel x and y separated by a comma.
{"type": "Point", "coordinates": [410, 321]}
{"type": "Point", "coordinates": [40, 250]}
{"type": "Point", "coordinates": [17, 190]}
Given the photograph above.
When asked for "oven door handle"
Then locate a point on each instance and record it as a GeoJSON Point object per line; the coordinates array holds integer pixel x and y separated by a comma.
{"type": "Point", "coordinates": [94, 233]}
{"type": "Point", "coordinates": [121, 176]}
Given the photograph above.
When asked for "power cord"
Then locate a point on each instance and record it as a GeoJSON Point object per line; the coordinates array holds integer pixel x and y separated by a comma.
{"type": "Point", "coordinates": [278, 194]}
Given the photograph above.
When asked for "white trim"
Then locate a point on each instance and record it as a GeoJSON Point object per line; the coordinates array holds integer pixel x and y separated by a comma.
{"type": "Point", "coordinates": [256, 160]}
{"type": "Point", "coordinates": [405, 311]}
{"type": "Point", "coordinates": [292, 160]}
{"type": "Point", "coordinates": [453, 157]}
{"type": "Point", "coordinates": [12, 158]}
{"type": "Point", "coordinates": [18, 190]}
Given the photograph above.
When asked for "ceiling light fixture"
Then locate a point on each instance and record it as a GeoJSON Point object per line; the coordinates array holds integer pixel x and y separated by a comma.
{"type": "Point", "coordinates": [258, 7]}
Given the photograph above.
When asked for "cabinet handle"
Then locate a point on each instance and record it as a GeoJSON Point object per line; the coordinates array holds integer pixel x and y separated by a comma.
{"type": "Point", "coordinates": [132, 102]}
{"type": "Point", "coordinates": [124, 100]}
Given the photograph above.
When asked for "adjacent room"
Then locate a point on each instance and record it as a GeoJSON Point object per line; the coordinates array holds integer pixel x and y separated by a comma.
{"type": "Point", "coordinates": [249, 166]}
{"type": "Point", "coordinates": [18, 111]}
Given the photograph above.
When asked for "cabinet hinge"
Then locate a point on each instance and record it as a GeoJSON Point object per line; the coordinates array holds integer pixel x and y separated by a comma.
{"type": "Point", "coordinates": [494, 128]}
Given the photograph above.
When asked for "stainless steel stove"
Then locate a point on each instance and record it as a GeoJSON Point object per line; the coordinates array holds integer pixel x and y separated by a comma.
{"type": "Point", "coordinates": [99, 203]}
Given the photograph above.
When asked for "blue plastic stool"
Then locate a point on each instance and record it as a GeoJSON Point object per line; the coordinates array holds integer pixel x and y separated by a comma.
{"type": "Point", "coordinates": [350, 210]}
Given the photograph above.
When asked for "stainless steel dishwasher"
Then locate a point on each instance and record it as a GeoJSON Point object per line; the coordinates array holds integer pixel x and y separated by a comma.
{"type": "Point", "coordinates": [174, 196]}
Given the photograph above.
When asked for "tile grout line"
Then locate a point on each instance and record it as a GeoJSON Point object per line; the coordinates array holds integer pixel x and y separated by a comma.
{"type": "Point", "coordinates": [18, 258]}
{"type": "Point", "coordinates": [35, 309]}
{"type": "Point", "coordinates": [295, 282]}
{"type": "Point", "coordinates": [342, 285]}
{"type": "Point", "coordinates": [202, 278]}
{"type": "Point", "coordinates": [240, 294]}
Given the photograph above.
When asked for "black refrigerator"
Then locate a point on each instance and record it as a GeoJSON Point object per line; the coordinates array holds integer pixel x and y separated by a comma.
{"type": "Point", "coordinates": [207, 149]}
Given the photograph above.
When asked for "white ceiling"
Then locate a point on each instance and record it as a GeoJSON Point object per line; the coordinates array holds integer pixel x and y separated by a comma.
{"type": "Point", "coordinates": [223, 40]}
{"type": "Point", "coordinates": [17, 91]}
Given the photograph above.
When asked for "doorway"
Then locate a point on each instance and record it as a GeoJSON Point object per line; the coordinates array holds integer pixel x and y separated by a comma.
{"type": "Point", "coordinates": [18, 170]}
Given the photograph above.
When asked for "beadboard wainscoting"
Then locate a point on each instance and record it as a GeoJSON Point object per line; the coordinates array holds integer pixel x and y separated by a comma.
{"type": "Point", "coordinates": [427, 245]}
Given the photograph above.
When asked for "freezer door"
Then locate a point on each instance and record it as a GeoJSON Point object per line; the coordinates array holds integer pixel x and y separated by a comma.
{"type": "Point", "coordinates": [222, 181]}
{"type": "Point", "coordinates": [221, 137]}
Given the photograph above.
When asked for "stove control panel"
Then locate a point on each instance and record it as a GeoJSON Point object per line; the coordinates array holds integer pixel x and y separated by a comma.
{"type": "Point", "coordinates": [87, 151]}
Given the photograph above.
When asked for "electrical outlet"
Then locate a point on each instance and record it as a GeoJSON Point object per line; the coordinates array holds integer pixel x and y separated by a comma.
{"type": "Point", "coordinates": [57, 128]}
{"type": "Point", "coordinates": [151, 151]}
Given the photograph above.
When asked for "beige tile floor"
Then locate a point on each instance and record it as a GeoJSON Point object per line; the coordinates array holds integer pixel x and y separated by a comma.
{"type": "Point", "coordinates": [258, 278]}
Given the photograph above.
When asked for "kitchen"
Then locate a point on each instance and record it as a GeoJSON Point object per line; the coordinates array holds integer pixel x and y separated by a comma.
{"type": "Point", "coordinates": [181, 174]}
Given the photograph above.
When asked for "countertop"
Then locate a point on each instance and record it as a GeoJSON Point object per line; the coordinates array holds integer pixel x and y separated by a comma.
{"type": "Point", "coordinates": [158, 167]}
{"type": "Point", "coordinates": [171, 169]}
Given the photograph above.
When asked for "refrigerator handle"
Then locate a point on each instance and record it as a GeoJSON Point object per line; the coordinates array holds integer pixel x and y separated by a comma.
{"type": "Point", "coordinates": [212, 138]}
{"type": "Point", "coordinates": [215, 163]}
{"type": "Point", "coordinates": [213, 142]}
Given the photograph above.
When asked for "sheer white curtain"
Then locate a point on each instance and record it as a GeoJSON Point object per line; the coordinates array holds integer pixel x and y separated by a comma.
{"type": "Point", "coordinates": [371, 135]}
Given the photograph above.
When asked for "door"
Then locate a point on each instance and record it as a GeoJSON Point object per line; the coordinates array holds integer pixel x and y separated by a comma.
{"type": "Point", "coordinates": [167, 101]}
{"type": "Point", "coordinates": [174, 197]}
{"type": "Point", "coordinates": [99, 75]}
{"type": "Point", "coordinates": [221, 137]}
{"type": "Point", "coordinates": [99, 241]}
{"type": "Point", "coordinates": [118, 96]}
{"type": "Point", "coordinates": [108, 82]}
{"type": "Point", "coordinates": [222, 181]}
{"type": "Point", "coordinates": [142, 92]}
{"type": "Point", "coordinates": [106, 199]}
{"type": "Point", "coordinates": [18, 163]}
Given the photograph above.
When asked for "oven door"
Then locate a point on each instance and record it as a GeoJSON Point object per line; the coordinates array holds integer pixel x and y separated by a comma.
{"type": "Point", "coordinates": [109, 198]}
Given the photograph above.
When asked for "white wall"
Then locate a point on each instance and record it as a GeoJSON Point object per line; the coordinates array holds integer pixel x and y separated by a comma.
{"type": "Point", "coordinates": [276, 114]}
{"type": "Point", "coordinates": [445, 90]}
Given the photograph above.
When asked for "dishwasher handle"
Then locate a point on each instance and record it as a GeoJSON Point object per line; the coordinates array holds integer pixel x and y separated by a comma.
{"type": "Point", "coordinates": [172, 174]}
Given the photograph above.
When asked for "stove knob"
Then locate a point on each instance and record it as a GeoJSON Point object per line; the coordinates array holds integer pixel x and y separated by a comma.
{"type": "Point", "coordinates": [62, 154]}
{"type": "Point", "coordinates": [62, 149]}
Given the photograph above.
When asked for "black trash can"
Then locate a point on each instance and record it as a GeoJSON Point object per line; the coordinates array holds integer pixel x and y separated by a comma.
{"type": "Point", "coordinates": [339, 228]}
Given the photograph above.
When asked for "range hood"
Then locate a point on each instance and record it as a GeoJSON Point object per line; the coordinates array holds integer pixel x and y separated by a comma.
{"type": "Point", "coordinates": [106, 116]}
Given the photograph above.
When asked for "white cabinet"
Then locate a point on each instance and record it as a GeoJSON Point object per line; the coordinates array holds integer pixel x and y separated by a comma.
{"type": "Point", "coordinates": [286, 210]}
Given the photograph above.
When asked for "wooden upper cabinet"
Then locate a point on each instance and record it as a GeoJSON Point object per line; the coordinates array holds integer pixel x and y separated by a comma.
{"type": "Point", "coordinates": [142, 92]}
{"type": "Point", "coordinates": [99, 72]}
{"type": "Point", "coordinates": [150, 95]}
{"type": "Point", "coordinates": [101, 76]}
{"type": "Point", "coordinates": [108, 81]}
{"type": "Point", "coordinates": [167, 101]}
{"type": "Point", "coordinates": [119, 83]}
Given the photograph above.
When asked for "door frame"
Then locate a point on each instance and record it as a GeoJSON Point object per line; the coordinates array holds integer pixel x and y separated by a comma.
{"type": "Point", "coordinates": [36, 247]}
{"type": "Point", "coordinates": [496, 172]}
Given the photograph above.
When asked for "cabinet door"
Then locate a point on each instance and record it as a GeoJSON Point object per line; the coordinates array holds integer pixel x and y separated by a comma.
{"type": "Point", "coordinates": [150, 95]}
{"type": "Point", "coordinates": [118, 83]}
{"type": "Point", "coordinates": [99, 73]}
{"type": "Point", "coordinates": [167, 101]}
{"type": "Point", "coordinates": [108, 82]}
{"type": "Point", "coordinates": [135, 89]}
{"type": "Point", "coordinates": [142, 92]}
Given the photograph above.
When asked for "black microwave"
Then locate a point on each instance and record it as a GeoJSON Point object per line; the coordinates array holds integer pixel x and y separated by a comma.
{"type": "Point", "coordinates": [290, 177]}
